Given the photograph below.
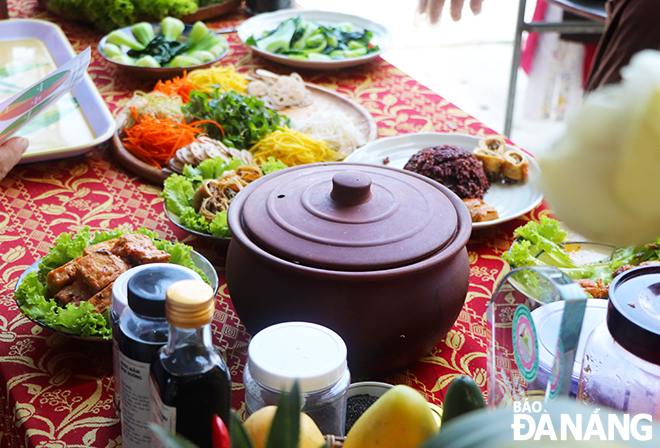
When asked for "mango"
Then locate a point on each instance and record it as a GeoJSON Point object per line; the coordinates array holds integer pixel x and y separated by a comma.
{"type": "Point", "coordinates": [400, 418]}
{"type": "Point", "coordinates": [258, 426]}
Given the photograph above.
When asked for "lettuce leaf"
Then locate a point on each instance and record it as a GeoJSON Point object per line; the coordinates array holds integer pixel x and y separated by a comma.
{"type": "Point", "coordinates": [219, 226]}
{"type": "Point", "coordinates": [546, 238]}
{"type": "Point", "coordinates": [33, 298]}
{"type": "Point", "coordinates": [178, 193]}
{"type": "Point", "coordinates": [271, 165]}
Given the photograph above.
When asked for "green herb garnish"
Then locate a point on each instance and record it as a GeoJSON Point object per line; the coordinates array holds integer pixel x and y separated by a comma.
{"type": "Point", "coordinates": [244, 119]}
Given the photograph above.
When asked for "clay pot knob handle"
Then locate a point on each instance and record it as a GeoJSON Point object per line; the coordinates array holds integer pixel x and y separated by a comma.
{"type": "Point", "coordinates": [351, 188]}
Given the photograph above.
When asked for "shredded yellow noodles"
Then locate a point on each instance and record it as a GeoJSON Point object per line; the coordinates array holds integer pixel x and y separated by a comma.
{"type": "Point", "coordinates": [226, 78]}
{"type": "Point", "coordinates": [293, 148]}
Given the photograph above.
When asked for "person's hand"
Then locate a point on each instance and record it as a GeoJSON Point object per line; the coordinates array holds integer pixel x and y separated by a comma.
{"type": "Point", "coordinates": [10, 153]}
{"type": "Point", "coordinates": [433, 9]}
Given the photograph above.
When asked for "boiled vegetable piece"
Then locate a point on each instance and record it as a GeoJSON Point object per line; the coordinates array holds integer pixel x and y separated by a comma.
{"type": "Point", "coordinates": [203, 56]}
{"type": "Point", "coordinates": [147, 61]}
{"type": "Point", "coordinates": [172, 28]}
{"type": "Point", "coordinates": [199, 32]}
{"type": "Point", "coordinates": [120, 38]}
{"type": "Point", "coordinates": [280, 39]}
{"type": "Point", "coordinates": [123, 59]}
{"type": "Point", "coordinates": [184, 60]}
{"type": "Point", "coordinates": [143, 32]}
{"type": "Point", "coordinates": [209, 41]}
{"type": "Point", "coordinates": [112, 50]}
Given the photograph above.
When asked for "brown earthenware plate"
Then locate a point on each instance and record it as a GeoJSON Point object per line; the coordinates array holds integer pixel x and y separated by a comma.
{"type": "Point", "coordinates": [323, 99]}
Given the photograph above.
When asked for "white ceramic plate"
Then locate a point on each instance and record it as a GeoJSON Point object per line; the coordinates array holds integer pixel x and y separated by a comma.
{"type": "Point", "coordinates": [510, 201]}
{"type": "Point", "coordinates": [255, 26]}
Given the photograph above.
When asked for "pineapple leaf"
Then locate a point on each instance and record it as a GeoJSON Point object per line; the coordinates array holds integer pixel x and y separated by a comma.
{"type": "Point", "coordinates": [240, 438]}
{"type": "Point", "coordinates": [285, 429]}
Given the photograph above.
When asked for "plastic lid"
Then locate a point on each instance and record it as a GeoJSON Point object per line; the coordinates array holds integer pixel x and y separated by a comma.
{"type": "Point", "coordinates": [147, 288]}
{"type": "Point", "coordinates": [190, 304]}
{"type": "Point", "coordinates": [310, 353]}
{"type": "Point", "coordinates": [349, 217]}
{"type": "Point", "coordinates": [120, 287]}
{"type": "Point", "coordinates": [633, 317]}
{"type": "Point", "coordinates": [547, 320]}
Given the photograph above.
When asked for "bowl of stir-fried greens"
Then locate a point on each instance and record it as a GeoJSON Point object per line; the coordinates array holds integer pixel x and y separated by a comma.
{"type": "Point", "coordinates": [313, 39]}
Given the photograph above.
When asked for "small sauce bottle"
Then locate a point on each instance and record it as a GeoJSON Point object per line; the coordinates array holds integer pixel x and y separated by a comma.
{"type": "Point", "coordinates": [190, 381]}
{"type": "Point", "coordinates": [141, 333]}
{"type": "Point", "coordinates": [119, 304]}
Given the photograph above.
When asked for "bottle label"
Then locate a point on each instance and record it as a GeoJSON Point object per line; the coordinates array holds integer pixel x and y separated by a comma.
{"type": "Point", "coordinates": [116, 369]}
{"type": "Point", "coordinates": [161, 414]}
{"type": "Point", "coordinates": [135, 402]}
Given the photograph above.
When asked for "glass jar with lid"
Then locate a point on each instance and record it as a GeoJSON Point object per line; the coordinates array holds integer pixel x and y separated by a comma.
{"type": "Point", "coordinates": [621, 364]}
{"type": "Point", "coordinates": [313, 355]}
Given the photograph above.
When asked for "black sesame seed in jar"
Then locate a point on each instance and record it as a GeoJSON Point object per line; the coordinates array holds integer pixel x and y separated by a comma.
{"type": "Point", "coordinates": [355, 407]}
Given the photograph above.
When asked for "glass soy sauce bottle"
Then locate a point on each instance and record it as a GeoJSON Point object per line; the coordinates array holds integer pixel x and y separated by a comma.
{"type": "Point", "coordinates": [190, 382]}
{"type": "Point", "coordinates": [140, 333]}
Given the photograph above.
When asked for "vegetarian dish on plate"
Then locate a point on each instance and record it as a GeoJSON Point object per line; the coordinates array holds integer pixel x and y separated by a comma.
{"type": "Point", "coordinates": [200, 197]}
{"type": "Point", "coordinates": [544, 243]}
{"type": "Point", "coordinates": [454, 159]}
{"type": "Point", "coordinates": [469, 173]}
{"type": "Point", "coordinates": [168, 45]}
{"type": "Point", "coordinates": [315, 39]}
{"type": "Point", "coordinates": [71, 290]}
{"type": "Point", "coordinates": [211, 107]}
{"type": "Point", "coordinates": [302, 39]}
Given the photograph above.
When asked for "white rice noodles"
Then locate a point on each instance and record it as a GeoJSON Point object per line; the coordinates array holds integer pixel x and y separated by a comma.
{"type": "Point", "coordinates": [333, 127]}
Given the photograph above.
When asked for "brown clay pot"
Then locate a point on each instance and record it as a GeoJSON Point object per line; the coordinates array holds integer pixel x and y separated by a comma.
{"type": "Point", "coordinates": [375, 253]}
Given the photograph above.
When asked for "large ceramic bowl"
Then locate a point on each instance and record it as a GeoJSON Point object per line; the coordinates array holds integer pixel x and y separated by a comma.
{"type": "Point", "coordinates": [377, 254]}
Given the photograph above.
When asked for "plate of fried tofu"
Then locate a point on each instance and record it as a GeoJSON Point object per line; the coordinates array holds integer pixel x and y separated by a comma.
{"type": "Point", "coordinates": [90, 276]}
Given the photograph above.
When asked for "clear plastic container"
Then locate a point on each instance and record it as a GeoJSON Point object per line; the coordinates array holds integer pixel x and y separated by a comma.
{"type": "Point", "coordinates": [621, 364]}
{"type": "Point", "coordinates": [315, 356]}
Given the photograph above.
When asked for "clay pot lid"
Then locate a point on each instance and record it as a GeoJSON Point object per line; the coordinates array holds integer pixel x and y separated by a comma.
{"type": "Point", "coordinates": [349, 217]}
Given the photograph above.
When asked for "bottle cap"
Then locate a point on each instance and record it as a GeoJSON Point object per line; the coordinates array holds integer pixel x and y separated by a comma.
{"type": "Point", "coordinates": [147, 287]}
{"type": "Point", "coordinates": [120, 286]}
{"type": "Point", "coordinates": [633, 315]}
{"type": "Point", "coordinates": [283, 353]}
{"type": "Point", "coordinates": [190, 304]}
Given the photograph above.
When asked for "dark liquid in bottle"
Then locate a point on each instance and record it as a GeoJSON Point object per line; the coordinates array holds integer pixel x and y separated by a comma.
{"type": "Point", "coordinates": [196, 397]}
{"type": "Point", "coordinates": [143, 349]}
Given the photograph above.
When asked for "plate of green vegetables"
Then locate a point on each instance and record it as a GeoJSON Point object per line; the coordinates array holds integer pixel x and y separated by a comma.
{"type": "Point", "coordinates": [313, 39]}
{"type": "Point", "coordinates": [165, 49]}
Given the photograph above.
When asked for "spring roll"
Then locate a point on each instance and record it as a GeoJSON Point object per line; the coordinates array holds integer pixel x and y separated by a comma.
{"type": "Point", "coordinates": [516, 166]}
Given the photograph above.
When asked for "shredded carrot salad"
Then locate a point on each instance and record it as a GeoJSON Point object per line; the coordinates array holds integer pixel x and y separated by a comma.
{"type": "Point", "coordinates": [180, 86]}
{"type": "Point", "coordinates": [155, 140]}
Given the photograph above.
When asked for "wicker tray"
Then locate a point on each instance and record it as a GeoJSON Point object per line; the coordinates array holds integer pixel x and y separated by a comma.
{"type": "Point", "coordinates": [203, 13]}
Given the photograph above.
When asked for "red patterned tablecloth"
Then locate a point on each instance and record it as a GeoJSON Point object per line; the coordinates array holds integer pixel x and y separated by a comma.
{"type": "Point", "coordinates": [57, 391]}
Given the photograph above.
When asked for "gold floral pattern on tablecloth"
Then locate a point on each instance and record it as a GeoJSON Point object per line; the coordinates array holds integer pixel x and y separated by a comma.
{"type": "Point", "coordinates": [57, 391]}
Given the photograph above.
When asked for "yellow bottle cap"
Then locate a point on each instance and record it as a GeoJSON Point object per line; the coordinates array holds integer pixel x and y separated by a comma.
{"type": "Point", "coordinates": [189, 304]}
